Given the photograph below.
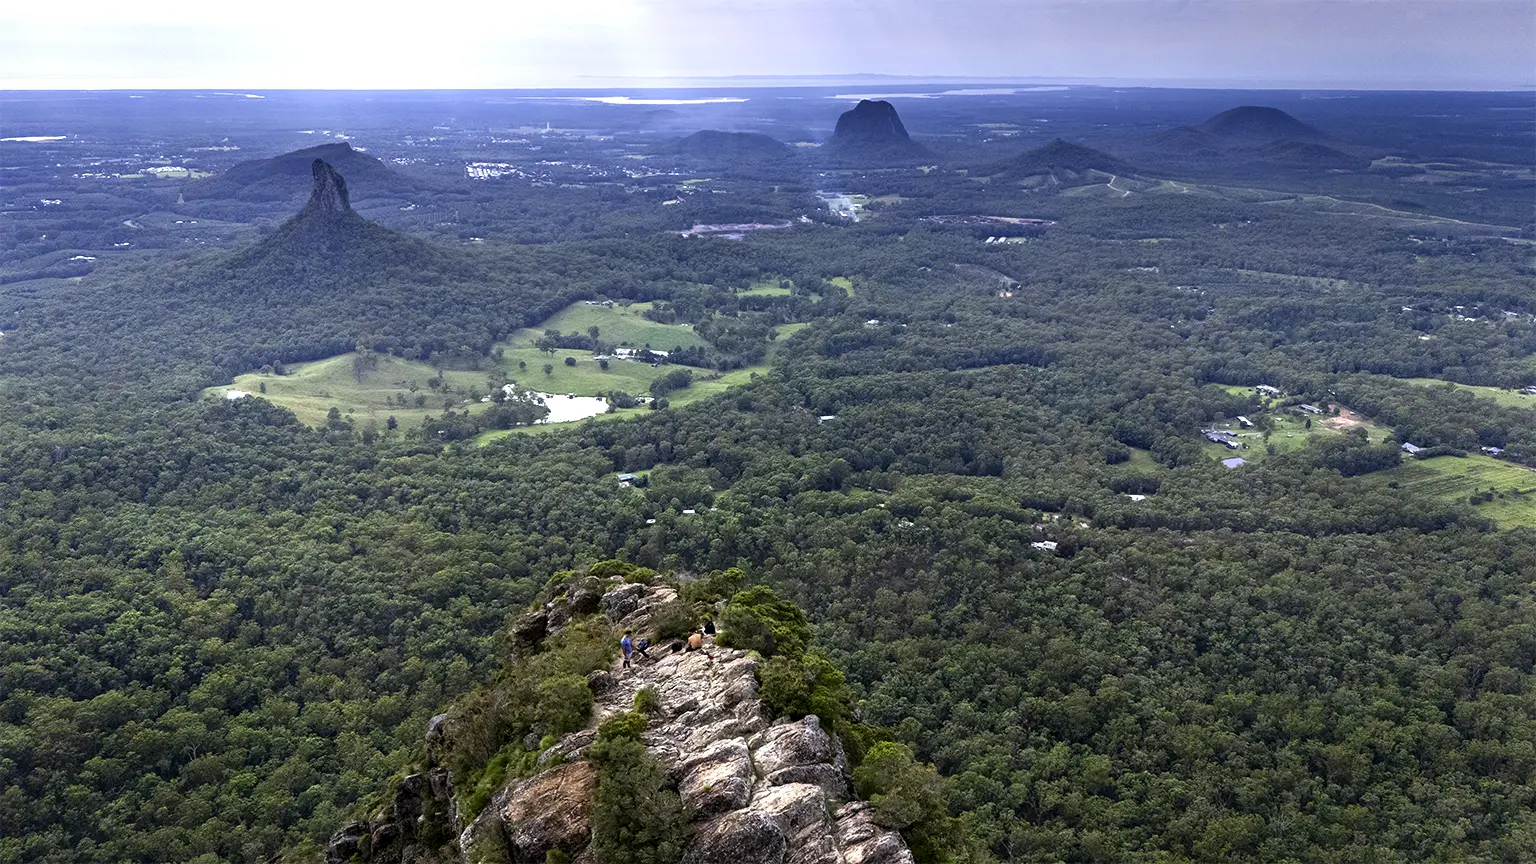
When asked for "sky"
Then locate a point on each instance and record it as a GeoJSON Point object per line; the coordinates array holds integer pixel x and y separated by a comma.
{"type": "Point", "coordinates": [279, 44]}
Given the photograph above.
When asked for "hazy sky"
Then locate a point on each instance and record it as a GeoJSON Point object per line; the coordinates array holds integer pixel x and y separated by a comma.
{"type": "Point", "coordinates": [518, 43]}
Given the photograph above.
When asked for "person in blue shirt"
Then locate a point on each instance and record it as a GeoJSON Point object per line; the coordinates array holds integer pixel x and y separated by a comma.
{"type": "Point", "coordinates": [628, 645]}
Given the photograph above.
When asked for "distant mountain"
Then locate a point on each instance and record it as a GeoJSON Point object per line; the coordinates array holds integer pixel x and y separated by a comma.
{"type": "Point", "coordinates": [1060, 161]}
{"type": "Point", "coordinates": [283, 177]}
{"type": "Point", "coordinates": [1186, 141]}
{"type": "Point", "coordinates": [872, 132]}
{"type": "Point", "coordinates": [715, 145]}
{"type": "Point", "coordinates": [1312, 155]}
{"type": "Point", "coordinates": [327, 236]}
{"type": "Point", "coordinates": [1060, 155]}
{"type": "Point", "coordinates": [1256, 123]}
{"type": "Point", "coordinates": [1249, 134]}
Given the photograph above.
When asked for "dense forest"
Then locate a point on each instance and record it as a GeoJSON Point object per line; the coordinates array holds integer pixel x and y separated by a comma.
{"type": "Point", "coordinates": [979, 469]}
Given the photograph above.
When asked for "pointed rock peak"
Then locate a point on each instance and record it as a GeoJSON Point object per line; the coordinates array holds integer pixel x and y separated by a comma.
{"type": "Point", "coordinates": [330, 190]}
{"type": "Point", "coordinates": [871, 120]}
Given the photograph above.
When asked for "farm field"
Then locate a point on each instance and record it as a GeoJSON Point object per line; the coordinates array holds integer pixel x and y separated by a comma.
{"type": "Point", "coordinates": [699, 390]}
{"type": "Point", "coordinates": [311, 390]}
{"type": "Point", "coordinates": [1288, 431]}
{"type": "Point", "coordinates": [1469, 479]}
{"type": "Point", "coordinates": [765, 288]}
{"type": "Point", "coordinates": [624, 326]}
{"type": "Point", "coordinates": [1507, 398]}
{"type": "Point", "coordinates": [586, 378]}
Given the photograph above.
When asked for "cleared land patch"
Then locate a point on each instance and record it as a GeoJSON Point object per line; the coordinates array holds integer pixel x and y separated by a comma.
{"type": "Point", "coordinates": [361, 387]}
{"type": "Point", "coordinates": [1500, 491]}
{"type": "Point", "coordinates": [1507, 398]}
{"type": "Point", "coordinates": [1287, 429]}
{"type": "Point", "coordinates": [625, 326]}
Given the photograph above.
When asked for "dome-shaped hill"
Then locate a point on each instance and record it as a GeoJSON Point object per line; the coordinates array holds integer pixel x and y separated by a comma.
{"type": "Point", "coordinates": [1062, 160]}
{"type": "Point", "coordinates": [287, 176]}
{"type": "Point", "coordinates": [1309, 155]}
{"type": "Point", "coordinates": [1257, 123]}
{"type": "Point", "coordinates": [713, 144]}
{"type": "Point", "coordinates": [872, 132]}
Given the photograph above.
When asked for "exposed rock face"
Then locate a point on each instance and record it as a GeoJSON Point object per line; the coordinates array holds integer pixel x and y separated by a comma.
{"type": "Point", "coordinates": [549, 811]}
{"type": "Point", "coordinates": [329, 194]}
{"type": "Point", "coordinates": [870, 132]}
{"type": "Point", "coordinates": [872, 121]}
{"type": "Point", "coordinates": [761, 792]}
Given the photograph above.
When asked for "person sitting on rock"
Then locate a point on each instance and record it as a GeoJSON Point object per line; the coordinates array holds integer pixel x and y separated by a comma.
{"type": "Point", "coordinates": [628, 646]}
{"type": "Point", "coordinates": [641, 646]}
{"type": "Point", "coordinates": [696, 643]}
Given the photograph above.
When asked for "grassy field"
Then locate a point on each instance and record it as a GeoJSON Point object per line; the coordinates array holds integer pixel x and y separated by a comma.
{"type": "Point", "coordinates": [586, 378]}
{"type": "Point", "coordinates": [765, 288]}
{"type": "Point", "coordinates": [1457, 479]}
{"type": "Point", "coordinates": [698, 391]}
{"type": "Point", "coordinates": [310, 390]}
{"type": "Point", "coordinates": [1507, 398]}
{"type": "Point", "coordinates": [1289, 432]}
{"type": "Point", "coordinates": [842, 282]}
{"type": "Point", "coordinates": [617, 325]}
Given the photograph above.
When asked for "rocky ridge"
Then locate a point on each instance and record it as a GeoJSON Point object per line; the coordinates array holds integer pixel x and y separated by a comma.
{"type": "Point", "coordinates": [761, 791]}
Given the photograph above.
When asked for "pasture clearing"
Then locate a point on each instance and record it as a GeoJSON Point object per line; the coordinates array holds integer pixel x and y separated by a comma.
{"type": "Point", "coordinates": [362, 388]}
{"type": "Point", "coordinates": [702, 388]}
{"type": "Point", "coordinates": [1501, 491]}
{"type": "Point", "coordinates": [1507, 398]}
{"type": "Point", "coordinates": [622, 325]}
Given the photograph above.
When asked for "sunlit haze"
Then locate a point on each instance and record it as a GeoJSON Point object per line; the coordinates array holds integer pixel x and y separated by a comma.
{"type": "Point", "coordinates": [1431, 44]}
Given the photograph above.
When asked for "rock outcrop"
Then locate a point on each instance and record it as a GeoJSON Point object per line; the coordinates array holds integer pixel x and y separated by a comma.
{"type": "Point", "coordinates": [871, 131]}
{"type": "Point", "coordinates": [329, 194]}
{"type": "Point", "coordinates": [761, 792]}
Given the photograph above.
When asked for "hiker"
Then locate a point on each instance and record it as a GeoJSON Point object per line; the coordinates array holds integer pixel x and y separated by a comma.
{"type": "Point", "coordinates": [641, 646]}
{"type": "Point", "coordinates": [709, 627]}
{"type": "Point", "coordinates": [628, 645]}
{"type": "Point", "coordinates": [696, 643]}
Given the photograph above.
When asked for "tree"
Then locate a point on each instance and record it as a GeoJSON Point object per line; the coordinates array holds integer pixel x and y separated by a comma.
{"type": "Point", "coordinates": [570, 361]}
{"type": "Point", "coordinates": [549, 368]}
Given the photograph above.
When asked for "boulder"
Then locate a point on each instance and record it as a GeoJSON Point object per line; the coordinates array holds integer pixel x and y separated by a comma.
{"type": "Point", "coordinates": [719, 779]}
{"type": "Point", "coordinates": [864, 842]}
{"type": "Point", "coordinates": [600, 682]}
{"type": "Point", "coordinates": [346, 843]}
{"type": "Point", "coordinates": [586, 595]}
{"type": "Point", "coordinates": [797, 744]}
{"type": "Point", "coordinates": [549, 811]}
{"type": "Point", "coordinates": [621, 601]}
{"type": "Point", "coordinates": [738, 837]}
{"type": "Point", "coordinates": [529, 630]}
{"type": "Point", "coordinates": [437, 738]}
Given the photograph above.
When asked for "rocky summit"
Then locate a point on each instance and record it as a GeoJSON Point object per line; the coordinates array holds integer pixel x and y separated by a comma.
{"type": "Point", "coordinates": [761, 790]}
{"type": "Point", "coordinates": [871, 120]}
{"type": "Point", "coordinates": [329, 194]}
{"type": "Point", "coordinates": [872, 131]}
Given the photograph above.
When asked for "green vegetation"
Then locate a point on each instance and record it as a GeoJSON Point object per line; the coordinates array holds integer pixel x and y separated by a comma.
{"type": "Point", "coordinates": [1496, 490]}
{"type": "Point", "coordinates": [363, 387]}
{"type": "Point", "coordinates": [624, 325]}
{"type": "Point", "coordinates": [912, 798]}
{"type": "Point", "coordinates": [760, 620]}
{"type": "Point", "coordinates": [222, 631]}
{"type": "Point", "coordinates": [636, 818]}
{"type": "Point", "coordinates": [1510, 398]}
{"type": "Point", "coordinates": [544, 695]}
